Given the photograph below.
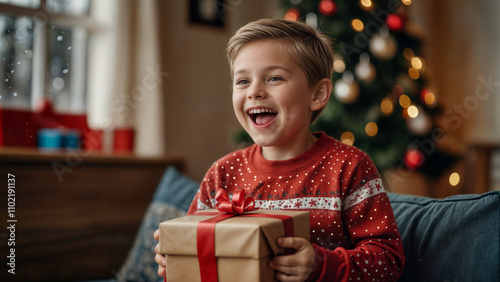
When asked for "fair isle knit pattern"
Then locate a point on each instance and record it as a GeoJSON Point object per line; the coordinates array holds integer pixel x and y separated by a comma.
{"type": "Point", "coordinates": [370, 189]}
{"type": "Point", "coordinates": [352, 226]}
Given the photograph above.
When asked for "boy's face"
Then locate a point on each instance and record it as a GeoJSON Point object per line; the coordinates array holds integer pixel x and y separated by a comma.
{"type": "Point", "coordinates": [271, 95]}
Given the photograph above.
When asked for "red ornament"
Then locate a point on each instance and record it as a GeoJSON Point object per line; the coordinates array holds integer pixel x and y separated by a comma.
{"type": "Point", "coordinates": [327, 7]}
{"type": "Point", "coordinates": [394, 22]}
{"type": "Point", "coordinates": [414, 159]}
{"type": "Point", "coordinates": [293, 14]}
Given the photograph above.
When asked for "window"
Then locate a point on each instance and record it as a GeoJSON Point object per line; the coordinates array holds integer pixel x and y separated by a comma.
{"type": "Point", "coordinates": [43, 53]}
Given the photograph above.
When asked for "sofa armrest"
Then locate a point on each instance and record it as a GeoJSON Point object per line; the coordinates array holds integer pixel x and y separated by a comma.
{"type": "Point", "coordinates": [451, 239]}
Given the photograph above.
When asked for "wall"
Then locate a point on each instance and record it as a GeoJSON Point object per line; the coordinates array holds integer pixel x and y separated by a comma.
{"type": "Point", "coordinates": [199, 117]}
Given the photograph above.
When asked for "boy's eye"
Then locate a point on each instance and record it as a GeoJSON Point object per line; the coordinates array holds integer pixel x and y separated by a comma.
{"type": "Point", "coordinates": [275, 78]}
{"type": "Point", "coordinates": [242, 82]}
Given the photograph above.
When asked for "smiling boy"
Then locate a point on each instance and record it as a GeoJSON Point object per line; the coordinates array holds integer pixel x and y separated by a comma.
{"type": "Point", "coordinates": [281, 81]}
{"type": "Point", "coordinates": [273, 100]}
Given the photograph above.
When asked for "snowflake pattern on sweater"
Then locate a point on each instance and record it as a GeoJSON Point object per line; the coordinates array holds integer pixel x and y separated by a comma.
{"type": "Point", "coordinates": [352, 225]}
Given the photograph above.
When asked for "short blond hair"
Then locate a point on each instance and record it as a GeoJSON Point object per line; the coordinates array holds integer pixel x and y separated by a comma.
{"type": "Point", "coordinates": [310, 49]}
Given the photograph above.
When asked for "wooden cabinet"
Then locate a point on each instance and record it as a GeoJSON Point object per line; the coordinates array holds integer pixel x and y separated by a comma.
{"type": "Point", "coordinates": [76, 214]}
{"type": "Point", "coordinates": [482, 165]}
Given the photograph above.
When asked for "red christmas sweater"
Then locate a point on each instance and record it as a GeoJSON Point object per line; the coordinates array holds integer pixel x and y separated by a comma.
{"type": "Point", "coordinates": [352, 227]}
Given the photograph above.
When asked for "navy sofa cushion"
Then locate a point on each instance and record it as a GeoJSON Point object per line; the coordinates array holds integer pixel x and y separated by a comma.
{"type": "Point", "coordinates": [451, 239]}
{"type": "Point", "coordinates": [171, 200]}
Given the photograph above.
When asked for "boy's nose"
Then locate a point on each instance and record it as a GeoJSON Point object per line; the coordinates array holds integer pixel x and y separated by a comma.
{"type": "Point", "coordinates": [256, 91]}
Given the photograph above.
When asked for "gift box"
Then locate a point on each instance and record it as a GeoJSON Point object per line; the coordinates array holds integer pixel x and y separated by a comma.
{"type": "Point", "coordinates": [242, 244]}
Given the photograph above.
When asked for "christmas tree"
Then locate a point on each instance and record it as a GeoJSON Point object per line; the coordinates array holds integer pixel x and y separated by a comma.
{"type": "Point", "coordinates": [382, 101]}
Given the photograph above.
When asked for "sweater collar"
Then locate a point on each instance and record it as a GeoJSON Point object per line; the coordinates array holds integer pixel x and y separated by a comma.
{"type": "Point", "coordinates": [306, 159]}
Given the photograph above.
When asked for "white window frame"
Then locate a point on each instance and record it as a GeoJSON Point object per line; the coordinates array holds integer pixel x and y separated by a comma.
{"type": "Point", "coordinates": [42, 18]}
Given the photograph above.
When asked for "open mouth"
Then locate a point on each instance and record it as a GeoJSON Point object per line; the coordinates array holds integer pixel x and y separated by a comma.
{"type": "Point", "coordinates": [262, 116]}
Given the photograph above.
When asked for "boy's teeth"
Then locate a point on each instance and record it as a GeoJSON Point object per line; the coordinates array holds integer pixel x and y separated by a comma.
{"type": "Point", "coordinates": [260, 111]}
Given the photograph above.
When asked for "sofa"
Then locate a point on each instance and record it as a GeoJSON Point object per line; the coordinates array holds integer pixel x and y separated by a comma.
{"type": "Point", "coordinates": [452, 239]}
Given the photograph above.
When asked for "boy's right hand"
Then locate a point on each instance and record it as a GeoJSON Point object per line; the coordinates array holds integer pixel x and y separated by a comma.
{"type": "Point", "coordinates": [159, 258]}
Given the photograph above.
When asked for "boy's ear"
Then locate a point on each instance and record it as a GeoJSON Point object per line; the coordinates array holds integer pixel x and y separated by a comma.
{"type": "Point", "coordinates": [322, 94]}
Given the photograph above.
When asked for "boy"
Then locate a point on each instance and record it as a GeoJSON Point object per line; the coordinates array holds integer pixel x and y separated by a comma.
{"type": "Point", "coordinates": [281, 81]}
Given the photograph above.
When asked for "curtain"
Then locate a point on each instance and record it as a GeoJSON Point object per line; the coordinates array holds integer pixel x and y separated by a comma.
{"type": "Point", "coordinates": [125, 77]}
{"type": "Point", "coordinates": [148, 78]}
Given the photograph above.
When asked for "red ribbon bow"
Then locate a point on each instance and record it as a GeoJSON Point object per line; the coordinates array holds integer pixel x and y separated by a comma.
{"type": "Point", "coordinates": [238, 205]}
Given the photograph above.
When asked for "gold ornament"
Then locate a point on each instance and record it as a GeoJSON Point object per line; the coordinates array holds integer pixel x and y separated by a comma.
{"type": "Point", "coordinates": [364, 70]}
{"type": "Point", "coordinates": [421, 124]}
{"type": "Point", "coordinates": [383, 45]}
{"type": "Point", "coordinates": [346, 90]}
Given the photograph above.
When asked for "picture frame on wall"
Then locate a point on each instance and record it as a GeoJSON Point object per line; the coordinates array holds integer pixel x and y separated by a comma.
{"type": "Point", "coordinates": [207, 12]}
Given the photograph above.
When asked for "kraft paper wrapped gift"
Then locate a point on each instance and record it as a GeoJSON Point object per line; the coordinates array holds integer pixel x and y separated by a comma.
{"type": "Point", "coordinates": [244, 245]}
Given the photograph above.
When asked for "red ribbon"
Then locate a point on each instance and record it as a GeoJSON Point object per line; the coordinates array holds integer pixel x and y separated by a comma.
{"type": "Point", "coordinates": [205, 237]}
{"type": "Point", "coordinates": [238, 205]}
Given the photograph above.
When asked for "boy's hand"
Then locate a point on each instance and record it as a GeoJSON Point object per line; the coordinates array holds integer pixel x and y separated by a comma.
{"type": "Point", "coordinates": [159, 258]}
{"type": "Point", "coordinates": [297, 266]}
